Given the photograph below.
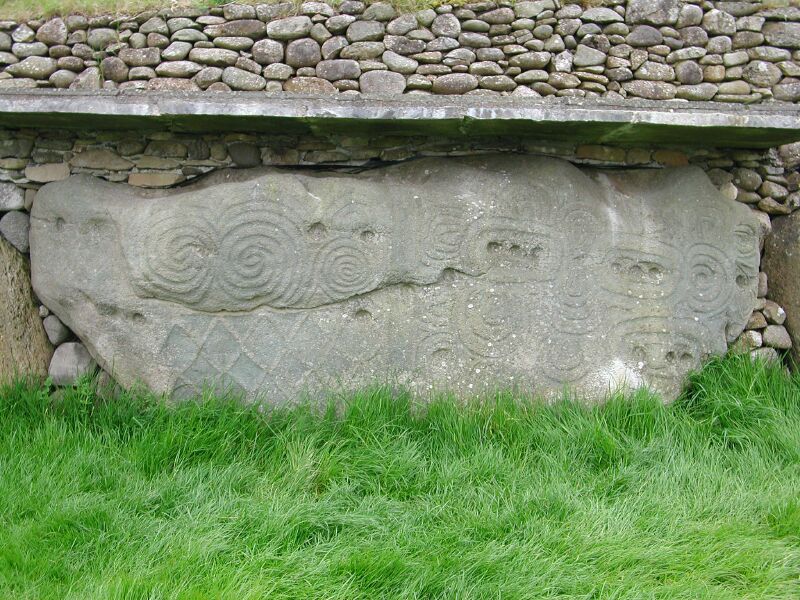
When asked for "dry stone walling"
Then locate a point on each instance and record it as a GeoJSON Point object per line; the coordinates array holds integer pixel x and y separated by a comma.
{"type": "Point", "coordinates": [456, 274]}
{"type": "Point", "coordinates": [744, 52]}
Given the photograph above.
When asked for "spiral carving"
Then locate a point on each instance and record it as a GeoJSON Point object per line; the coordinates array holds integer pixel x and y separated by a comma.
{"type": "Point", "coordinates": [345, 269]}
{"type": "Point", "coordinates": [248, 253]}
{"type": "Point", "coordinates": [708, 283]}
{"type": "Point", "coordinates": [259, 257]}
{"type": "Point", "coordinates": [445, 232]}
{"type": "Point", "coordinates": [181, 250]}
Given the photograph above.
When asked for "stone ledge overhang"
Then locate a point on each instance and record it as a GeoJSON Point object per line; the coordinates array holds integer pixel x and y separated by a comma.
{"type": "Point", "coordinates": [576, 120]}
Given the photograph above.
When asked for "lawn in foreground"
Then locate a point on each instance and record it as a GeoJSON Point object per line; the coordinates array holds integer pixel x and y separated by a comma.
{"type": "Point", "coordinates": [132, 499]}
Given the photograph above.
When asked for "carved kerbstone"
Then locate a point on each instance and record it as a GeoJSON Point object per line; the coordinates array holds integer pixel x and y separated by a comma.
{"type": "Point", "coordinates": [458, 274]}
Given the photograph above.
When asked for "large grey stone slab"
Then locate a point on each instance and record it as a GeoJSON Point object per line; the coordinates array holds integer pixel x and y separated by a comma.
{"type": "Point", "coordinates": [461, 274]}
{"type": "Point", "coordinates": [577, 120]}
{"type": "Point", "coordinates": [782, 266]}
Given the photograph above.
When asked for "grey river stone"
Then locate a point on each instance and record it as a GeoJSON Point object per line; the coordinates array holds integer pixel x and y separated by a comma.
{"type": "Point", "coordinates": [459, 274]}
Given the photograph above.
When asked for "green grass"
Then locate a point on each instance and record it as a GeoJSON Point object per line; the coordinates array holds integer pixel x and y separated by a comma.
{"type": "Point", "coordinates": [26, 9]}
{"type": "Point", "coordinates": [29, 9]}
{"type": "Point", "coordinates": [386, 499]}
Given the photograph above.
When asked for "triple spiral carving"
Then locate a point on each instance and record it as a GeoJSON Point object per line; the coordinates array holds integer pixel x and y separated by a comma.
{"type": "Point", "coordinates": [251, 254]}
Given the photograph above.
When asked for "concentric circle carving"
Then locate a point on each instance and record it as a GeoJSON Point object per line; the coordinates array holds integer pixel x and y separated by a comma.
{"type": "Point", "coordinates": [708, 279]}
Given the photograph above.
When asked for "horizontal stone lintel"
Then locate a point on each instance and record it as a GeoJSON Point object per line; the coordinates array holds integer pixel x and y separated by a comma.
{"type": "Point", "coordinates": [629, 122]}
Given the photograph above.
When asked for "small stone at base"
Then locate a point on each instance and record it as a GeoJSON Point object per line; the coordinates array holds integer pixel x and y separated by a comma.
{"type": "Point", "coordinates": [57, 332]}
{"type": "Point", "coordinates": [769, 355]}
{"type": "Point", "coordinates": [776, 336]}
{"type": "Point", "coordinates": [70, 361]}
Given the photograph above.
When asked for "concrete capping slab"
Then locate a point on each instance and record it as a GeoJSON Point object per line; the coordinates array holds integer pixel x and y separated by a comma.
{"type": "Point", "coordinates": [596, 121]}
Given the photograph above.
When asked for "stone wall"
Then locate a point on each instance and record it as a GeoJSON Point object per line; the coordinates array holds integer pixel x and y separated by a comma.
{"type": "Point", "coordinates": [741, 51]}
{"type": "Point", "coordinates": [766, 181]}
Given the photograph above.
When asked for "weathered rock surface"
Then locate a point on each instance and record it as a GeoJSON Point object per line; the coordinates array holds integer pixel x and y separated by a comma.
{"type": "Point", "coordinates": [70, 361]}
{"type": "Point", "coordinates": [14, 227]}
{"type": "Point", "coordinates": [11, 197]}
{"type": "Point", "coordinates": [56, 331]}
{"type": "Point", "coordinates": [654, 12]}
{"type": "Point", "coordinates": [782, 266]}
{"type": "Point", "coordinates": [462, 274]}
{"type": "Point", "coordinates": [24, 348]}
